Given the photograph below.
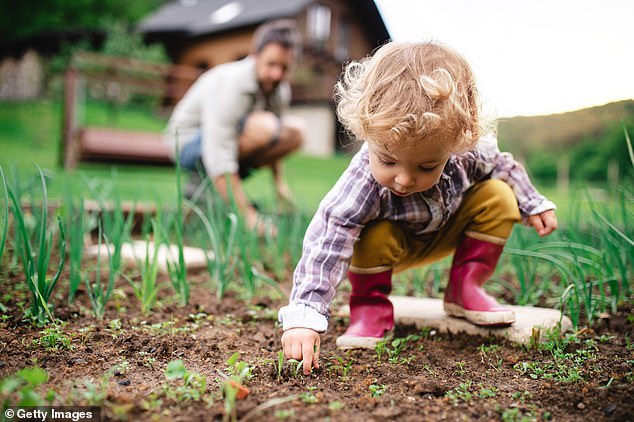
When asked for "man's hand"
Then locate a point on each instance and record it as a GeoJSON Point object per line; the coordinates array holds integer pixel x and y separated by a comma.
{"type": "Point", "coordinates": [302, 344]}
{"type": "Point", "coordinates": [257, 222]}
{"type": "Point", "coordinates": [545, 223]}
{"type": "Point", "coordinates": [285, 200]}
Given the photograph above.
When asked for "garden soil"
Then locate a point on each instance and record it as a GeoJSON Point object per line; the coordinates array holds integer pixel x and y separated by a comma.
{"type": "Point", "coordinates": [119, 364]}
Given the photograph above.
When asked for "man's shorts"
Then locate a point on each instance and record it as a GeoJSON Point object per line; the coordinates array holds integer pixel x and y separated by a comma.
{"type": "Point", "coordinates": [191, 155]}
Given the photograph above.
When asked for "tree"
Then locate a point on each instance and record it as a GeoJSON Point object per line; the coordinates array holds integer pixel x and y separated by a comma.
{"type": "Point", "coordinates": [26, 18]}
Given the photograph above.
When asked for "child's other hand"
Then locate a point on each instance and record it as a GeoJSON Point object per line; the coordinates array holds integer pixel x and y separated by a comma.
{"type": "Point", "coordinates": [545, 223]}
{"type": "Point", "coordinates": [302, 344]}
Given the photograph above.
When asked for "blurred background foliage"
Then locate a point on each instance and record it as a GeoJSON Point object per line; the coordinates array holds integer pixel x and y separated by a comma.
{"type": "Point", "coordinates": [25, 18]}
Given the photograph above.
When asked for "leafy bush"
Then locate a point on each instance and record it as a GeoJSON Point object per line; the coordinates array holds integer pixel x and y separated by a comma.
{"type": "Point", "coordinates": [591, 159]}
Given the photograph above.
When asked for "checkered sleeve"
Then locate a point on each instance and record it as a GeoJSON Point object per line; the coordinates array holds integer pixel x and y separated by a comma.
{"type": "Point", "coordinates": [328, 245]}
{"type": "Point", "coordinates": [490, 162]}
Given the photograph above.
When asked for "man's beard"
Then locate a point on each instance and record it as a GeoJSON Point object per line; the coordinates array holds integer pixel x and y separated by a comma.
{"type": "Point", "coordinates": [273, 86]}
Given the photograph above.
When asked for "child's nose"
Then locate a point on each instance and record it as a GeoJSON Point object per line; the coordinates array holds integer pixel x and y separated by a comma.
{"type": "Point", "coordinates": [404, 179]}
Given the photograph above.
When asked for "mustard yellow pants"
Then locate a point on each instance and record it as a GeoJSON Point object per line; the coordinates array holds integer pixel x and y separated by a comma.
{"type": "Point", "coordinates": [488, 212]}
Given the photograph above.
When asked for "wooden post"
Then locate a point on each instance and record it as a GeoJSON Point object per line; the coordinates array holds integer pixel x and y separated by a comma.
{"type": "Point", "coordinates": [69, 149]}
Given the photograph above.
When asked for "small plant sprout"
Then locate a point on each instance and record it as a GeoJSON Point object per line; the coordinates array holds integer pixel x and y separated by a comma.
{"type": "Point", "coordinates": [53, 338]}
{"type": "Point", "coordinates": [339, 365]}
{"type": "Point", "coordinates": [177, 269]}
{"type": "Point", "coordinates": [233, 385]}
{"type": "Point", "coordinates": [377, 390]}
{"type": "Point", "coordinates": [392, 349]}
{"type": "Point", "coordinates": [221, 266]}
{"type": "Point", "coordinates": [309, 397]}
{"type": "Point", "coordinates": [147, 289]}
{"type": "Point", "coordinates": [75, 220]}
{"type": "Point", "coordinates": [20, 389]}
{"type": "Point", "coordinates": [35, 261]}
{"type": "Point", "coordinates": [461, 393]}
{"type": "Point", "coordinates": [194, 386]}
{"type": "Point", "coordinates": [97, 294]}
{"type": "Point", "coordinates": [280, 363]}
{"type": "Point", "coordinates": [4, 225]}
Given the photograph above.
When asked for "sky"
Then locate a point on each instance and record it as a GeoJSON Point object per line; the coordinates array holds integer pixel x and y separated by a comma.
{"type": "Point", "coordinates": [530, 57]}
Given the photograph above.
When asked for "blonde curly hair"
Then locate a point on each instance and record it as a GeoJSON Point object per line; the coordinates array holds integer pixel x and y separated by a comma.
{"type": "Point", "coordinates": [411, 92]}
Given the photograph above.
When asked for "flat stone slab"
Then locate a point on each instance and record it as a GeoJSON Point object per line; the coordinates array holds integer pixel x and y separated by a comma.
{"type": "Point", "coordinates": [134, 252]}
{"type": "Point", "coordinates": [426, 312]}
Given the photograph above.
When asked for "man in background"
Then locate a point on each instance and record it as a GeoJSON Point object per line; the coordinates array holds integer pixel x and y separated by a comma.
{"type": "Point", "coordinates": [230, 120]}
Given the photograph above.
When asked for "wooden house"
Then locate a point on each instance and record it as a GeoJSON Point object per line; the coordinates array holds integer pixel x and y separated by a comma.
{"type": "Point", "coordinates": [205, 33]}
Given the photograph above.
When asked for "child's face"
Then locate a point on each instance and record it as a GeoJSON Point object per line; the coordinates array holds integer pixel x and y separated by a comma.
{"type": "Point", "coordinates": [405, 170]}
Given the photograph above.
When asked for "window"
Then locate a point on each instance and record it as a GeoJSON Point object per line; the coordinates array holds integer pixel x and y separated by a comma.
{"type": "Point", "coordinates": [318, 24]}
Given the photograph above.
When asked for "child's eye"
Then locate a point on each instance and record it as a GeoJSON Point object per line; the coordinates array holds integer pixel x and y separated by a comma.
{"type": "Point", "coordinates": [386, 162]}
{"type": "Point", "coordinates": [427, 169]}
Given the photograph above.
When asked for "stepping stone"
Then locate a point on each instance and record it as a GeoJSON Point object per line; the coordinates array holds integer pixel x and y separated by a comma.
{"type": "Point", "coordinates": [426, 312]}
{"type": "Point", "coordinates": [134, 252]}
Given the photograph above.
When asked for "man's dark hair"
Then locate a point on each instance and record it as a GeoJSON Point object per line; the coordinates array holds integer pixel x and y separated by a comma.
{"type": "Point", "coordinates": [282, 32]}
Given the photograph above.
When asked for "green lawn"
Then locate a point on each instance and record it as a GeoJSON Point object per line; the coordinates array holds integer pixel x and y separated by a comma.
{"type": "Point", "coordinates": [30, 132]}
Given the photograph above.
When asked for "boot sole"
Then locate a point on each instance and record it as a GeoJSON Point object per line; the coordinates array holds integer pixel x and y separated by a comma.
{"type": "Point", "coordinates": [354, 342]}
{"type": "Point", "coordinates": [481, 318]}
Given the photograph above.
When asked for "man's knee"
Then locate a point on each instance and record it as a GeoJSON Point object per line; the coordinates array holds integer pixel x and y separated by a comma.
{"type": "Point", "coordinates": [292, 132]}
{"type": "Point", "coordinates": [260, 128]}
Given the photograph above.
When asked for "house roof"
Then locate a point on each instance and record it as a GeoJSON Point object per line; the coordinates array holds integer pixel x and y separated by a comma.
{"type": "Point", "coordinates": [191, 18]}
{"type": "Point", "coordinates": [200, 17]}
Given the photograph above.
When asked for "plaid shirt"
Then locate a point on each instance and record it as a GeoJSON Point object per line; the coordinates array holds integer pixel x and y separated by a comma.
{"type": "Point", "coordinates": [357, 199]}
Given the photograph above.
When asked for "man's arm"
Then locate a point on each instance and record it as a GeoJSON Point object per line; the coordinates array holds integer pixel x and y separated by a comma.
{"type": "Point", "coordinates": [228, 186]}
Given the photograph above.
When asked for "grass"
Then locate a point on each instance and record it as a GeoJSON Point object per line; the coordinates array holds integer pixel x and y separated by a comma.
{"type": "Point", "coordinates": [31, 132]}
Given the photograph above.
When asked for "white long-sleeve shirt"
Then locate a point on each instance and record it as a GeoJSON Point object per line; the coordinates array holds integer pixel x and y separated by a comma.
{"type": "Point", "coordinates": [215, 105]}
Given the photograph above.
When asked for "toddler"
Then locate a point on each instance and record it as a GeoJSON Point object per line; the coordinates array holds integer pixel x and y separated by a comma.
{"type": "Point", "coordinates": [428, 181]}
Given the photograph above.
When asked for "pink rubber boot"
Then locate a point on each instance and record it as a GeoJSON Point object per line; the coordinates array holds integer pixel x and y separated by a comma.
{"type": "Point", "coordinates": [473, 263]}
{"type": "Point", "coordinates": [371, 312]}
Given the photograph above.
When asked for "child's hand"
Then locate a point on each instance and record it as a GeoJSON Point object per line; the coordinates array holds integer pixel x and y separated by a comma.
{"type": "Point", "coordinates": [302, 343]}
{"type": "Point", "coordinates": [545, 223]}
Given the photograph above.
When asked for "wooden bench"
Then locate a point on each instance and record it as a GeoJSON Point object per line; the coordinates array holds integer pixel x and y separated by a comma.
{"type": "Point", "coordinates": [125, 146]}
{"type": "Point", "coordinates": [119, 76]}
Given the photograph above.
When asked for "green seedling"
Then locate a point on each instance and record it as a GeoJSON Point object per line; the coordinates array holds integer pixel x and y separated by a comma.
{"type": "Point", "coordinates": [297, 366]}
{"type": "Point", "coordinates": [177, 269]}
{"type": "Point", "coordinates": [20, 389]}
{"type": "Point", "coordinates": [221, 266]}
{"type": "Point", "coordinates": [377, 390]}
{"type": "Point", "coordinates": [461, 393]}
{"type": "Point", "coordinates": [194, 386]}
{"type": "Point", "coordinates": [35, 261]}
{"type": "Point", "coordinates": [96, 293]}
{"type": "Point", "coordinates": [393, 348]}
{"type": "Point", "coordinates": [340, 366]}
{"type": "Point", "coordinates": [233, 385]}
{"type": "Point", "coordinates": [336, 405]}
{"type": "Point", "coordinates": [4, 229]}
{"type": "Point", "coordinates": [308, 397]}
{"type": "Point", "coordinates": [280, 363]}
{"type": "Point", "coordinates": [53, 338]}
{"type": "Point", "coordinates": [486, 392]}
{"type": "Point", "coordinates": [75, 220]}
{"type": "Point", "coordinates": [90, 393]}
{"type": "Point", "coordinates": [146, 291]}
